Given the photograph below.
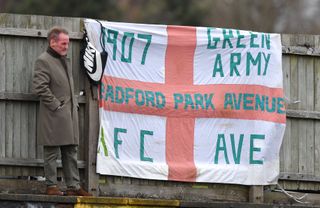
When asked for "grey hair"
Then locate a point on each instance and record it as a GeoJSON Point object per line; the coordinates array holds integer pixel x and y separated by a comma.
{"type": "Point", "coordinates": [55, 31]}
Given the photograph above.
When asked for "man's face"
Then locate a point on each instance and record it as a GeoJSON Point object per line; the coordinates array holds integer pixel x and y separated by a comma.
{"type": "Point", "coordinates": [61, 44]}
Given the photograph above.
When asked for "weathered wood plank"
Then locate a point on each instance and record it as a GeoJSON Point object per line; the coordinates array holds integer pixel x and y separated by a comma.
{"type": "Point", "coordinates": [281, 198]}
{"type": "Point", "coordinates": [285, 152]}
{"type": "Point", "coordinates": [317, 124]}
{"type": "Point", "coordinates": [299, 177]}
{"type": "Point", "coordinates": [16, 140]}
{"type": "Point", "coordinates": [2, 104]}
{"type": "Point", "coordinates": [9, 62]}
{"type": "Point", "coordinates": [294, 125]}
{"type": "Point", "coordinates": [76, 70]}
{"type": "Point", "coordinates": [2, 129]}
{"type": "Point", "coordinates": [39, 148]}
{"type": "Point", "coordinates": [29, 63]}
{"type": "Point", "coordinates": [294, 96]}
{"type": "Point", "coordinates": [302, 93]}
{"type": "Point", "coordinates": [305, 45]}
{"type": "Point", "coordinates": [317, 107]}
{"type": "Point", "coordinates": [20, 21]}
{"type": "Point", "coordinates": [24, 65]}
{"type": "Point", "coordinates": [36, 33]}
{"type": "Point", "coordinates": [300, 185]}
{"type": "Point", "coordinates": [295, 39]}
{"type": "Point", "coordinates": [301, 50]}
{"type": "Point", "coordinates": [310, 136]}
{"type": "Point", "coordinates": [29, 149]}
{"type": "Point", "coordinates": [293, 83]}
{"type": "Point", "coordinates": [22, 186]}
{"type": "Point", "coordinates": [32, 162]}
{"type": "Point", "coordinates": [9, 134]}
{"type": "Point", "coordinates": [303, 114]}
{"type": "Point", "coordinates": [24, 140]}
{"type": "Point", "coordinates": [6, 20]}
{"type": "Point", "coordinates": [17, 66]}
{"type": "Point", "coordinates": [31, 125]}
{"type": "Point", "coordinates": [2, 64]}
{"type": "Point", "coordinates": [92, 133]}
{"type": "Point", "coordinates": [317, 41]}
{"type": "Point", "coordinates": [58, 21]}
{"type": "Point", "coordinates": [302, 82]}
{"type": "Point", "coordinates": [181, 192]}
{"type": "Point", "coordinates": [81, 76]}
{"type": "Point", "coordinates": [36, 22]}
{"type": "Point", "coordinates": [82, 147]}
{"type": "Point", "coordinates": [2, 133]}
{"type": "Point", "coordinates": [256, 194]}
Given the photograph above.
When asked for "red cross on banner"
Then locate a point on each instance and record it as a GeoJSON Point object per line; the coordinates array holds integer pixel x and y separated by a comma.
{"type": "Point", "coordinates": [180, 131]}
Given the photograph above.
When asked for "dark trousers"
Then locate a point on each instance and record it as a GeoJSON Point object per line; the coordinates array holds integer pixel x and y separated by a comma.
{"type": "Point", "coordinates": [69, 165]}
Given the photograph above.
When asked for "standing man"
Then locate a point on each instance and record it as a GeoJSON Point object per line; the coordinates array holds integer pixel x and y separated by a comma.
{"type": "Point", "coordinates": [58, 116]}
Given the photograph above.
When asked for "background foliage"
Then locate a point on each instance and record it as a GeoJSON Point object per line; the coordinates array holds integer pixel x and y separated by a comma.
{"type": "Point", "coordinates": [282, 16]}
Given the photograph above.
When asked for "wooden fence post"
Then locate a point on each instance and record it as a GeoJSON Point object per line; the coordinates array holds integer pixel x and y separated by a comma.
{"type": "Point", "coordinates": [256, 194]}
{"type": "Point", "coordinates": [92, 134]}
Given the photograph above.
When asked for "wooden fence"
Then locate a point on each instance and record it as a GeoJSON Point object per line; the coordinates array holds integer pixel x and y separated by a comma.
{"type": "Point", "coordinates": [299, 161]}
{"type": "Point", "coordinates": [22, 39]}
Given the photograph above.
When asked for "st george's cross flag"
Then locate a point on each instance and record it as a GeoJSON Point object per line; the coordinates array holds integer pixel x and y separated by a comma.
{"type": "Point", "coordinates": [194, 104]}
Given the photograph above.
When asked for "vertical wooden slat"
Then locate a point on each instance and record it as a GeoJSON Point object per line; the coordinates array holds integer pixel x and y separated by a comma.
{"type": "Point", "coordinates": [73, 25]}
{"type": "Point", "coordinates": [317, 123]}
{"type": "Point", "coordinates": [8, 87]}
{"type": "Point", "coordinates": [19, 79]}
{"type": "Point", "coordinates": [92, 134]}
{"type": "Point", "coordinates": [2, 89]}
{"type": "Point", "coordinates": [294, 122]}
{"type": "Point", "coordinates": [310, 136]}
{"type": "Point", "coordinates": [2, 64]}
{"type": "Point", "coordinates": [317, 41]}
{"type": "Point", "coordinates": [82, 148]}
{"type": "Point", "coordinates": [285, 152]}
{"type": "Point", "coordinates": [24, 85]}
{"type": "Point", "coordinates": [256, 194]}
{"type": "Point", "coordinates": [9, 108]}
{"type": "Point", "coordinates": [35, 22]}
{"type": "Point", "coordinates": [17, 86]}
{"type": "Point", "coordinates": [47, 22]}
{"type": "Point", "coordinates": [76, 65]}
{"type": "Point", "coordinates": [32, 145]}
{"type": "Point", "coordinates": [29, 109]}
{"type": "Point", "coordinates": [18, 56]}
{"type": "Point", "coordinates": [302, 106]}
{"type": "Point", "coordinates": [59, 21]}
{"type": "Point", "coordinates": [2, 103]}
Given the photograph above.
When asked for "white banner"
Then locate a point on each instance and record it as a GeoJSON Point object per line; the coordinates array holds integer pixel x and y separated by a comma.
{"type": "Point", "coordinates": [189, 103]}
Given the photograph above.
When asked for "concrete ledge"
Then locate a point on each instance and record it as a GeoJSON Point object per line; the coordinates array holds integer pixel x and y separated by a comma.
{"type": "Point", "coordinates": [89, 202]}
{"type": "Point", "coordinates": [272, 200]}
{"type": "Point", "coordinates": [102, 200]}
{"type": "Point", "coordinates": [127, 201]}
{"type": "Point", "coordinates": [157, 202]}
{"type": "Point", "coordinates": [38, 198]}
